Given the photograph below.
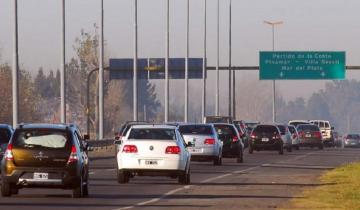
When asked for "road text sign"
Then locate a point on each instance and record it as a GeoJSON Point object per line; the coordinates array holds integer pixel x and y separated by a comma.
{"type": "Point", "coordinates": [285, 65]}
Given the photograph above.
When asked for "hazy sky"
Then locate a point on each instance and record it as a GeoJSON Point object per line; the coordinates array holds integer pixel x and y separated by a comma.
{"type": "Point", "coordinates": [319, 25]}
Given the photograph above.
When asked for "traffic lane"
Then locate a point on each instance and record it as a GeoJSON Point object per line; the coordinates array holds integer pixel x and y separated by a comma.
{"type": "Point", "coordinates": [106, 193]}
{"type": "Point", "coordinates": [269, 186]}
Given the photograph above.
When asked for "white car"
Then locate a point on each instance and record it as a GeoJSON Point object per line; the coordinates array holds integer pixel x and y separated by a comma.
{"type": "Point", "coordinates": [206, 145]}
{"type": "Point", "coordinates": [294, 137]}
{"type": "Point", "coordinates": [286, 136]}
{"type": "Point", "coordinates": [153, 150]}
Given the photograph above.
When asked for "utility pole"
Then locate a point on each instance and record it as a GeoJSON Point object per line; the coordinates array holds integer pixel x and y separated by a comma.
{"type": "Point", "coordinates": [167, 62]}
{"type": "Point", "coordinates": [230, 64]}
{"type": "Point", "coordinates": [203, 110]}
{"type": "Point", "coordinates": [135, 79]}
{"type": "Point", "coordinates": [217, 59]}
{"type": "Point", "coordinates": [186, 111]}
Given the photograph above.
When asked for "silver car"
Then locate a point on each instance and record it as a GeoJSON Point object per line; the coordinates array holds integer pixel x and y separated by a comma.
{"type": "Point", "coordinates": [294, 137]}
{"type": "Point", "coordinates": [286, 136]}
{"type": "Point", "coordinates": [206, 145]}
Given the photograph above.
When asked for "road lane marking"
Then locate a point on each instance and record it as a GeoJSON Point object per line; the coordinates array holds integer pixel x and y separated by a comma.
{"type": "Point", "coordinates": [154, 200]}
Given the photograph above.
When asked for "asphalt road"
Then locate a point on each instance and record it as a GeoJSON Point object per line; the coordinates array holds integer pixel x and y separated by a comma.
{"type": "Point", "coordinates": [265, 180]}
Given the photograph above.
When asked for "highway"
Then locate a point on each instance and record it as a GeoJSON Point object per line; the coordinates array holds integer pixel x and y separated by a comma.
{"type": "Point", "coordinates": [265, 180]}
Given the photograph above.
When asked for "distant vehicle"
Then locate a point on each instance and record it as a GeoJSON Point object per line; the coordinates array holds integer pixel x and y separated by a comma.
{"type": "Point", "coordinates": [352, 140]}
{"type": "Point", "coordinates": [298, 122]}
{"type": "Point", "coordinates": [218, 119]}
{"type": "Point", "coordinates": [326, 131]}
{"type": "Point", "coordinates": [233, 146]}
{"type": "Point", "coordinates": [338, 139]}
{"type": "Point", "coordinates": [294, 137]}
{"type": "Point", "coordinates": [266, 137]}
{"type": "Point", "coordinates": [205, 144]}
{"type": "Point", "coordinates": [125, 128]}
{"type": "Point", "coordinates": [243, 132]}
{"type": "Point", "coordinates": [251, 125]}
{"type": "Point", "coordinates": [6, 131]}
{"type": "Point", "coordinates": [310, 135]}
{"type": "Point", "coordinates": [153, 150]}
{"type": "Point", "coordinates": [45, 155]}
{"type": "Point", "coordinates": [285, 136]}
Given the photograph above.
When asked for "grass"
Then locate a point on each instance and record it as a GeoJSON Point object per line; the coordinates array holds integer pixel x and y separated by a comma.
{"type": "Point", "coordinates": [339, 189]}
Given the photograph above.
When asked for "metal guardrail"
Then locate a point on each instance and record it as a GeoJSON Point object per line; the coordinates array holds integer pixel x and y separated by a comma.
{"type": "Point", "coordinates": [100, 143]}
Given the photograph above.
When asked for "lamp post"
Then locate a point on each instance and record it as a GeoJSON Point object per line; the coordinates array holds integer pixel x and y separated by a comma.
{"type": "Point", "coordinates": [217, 59]}
{"type": "Point", "coordinates": [15, 68]}
{"type": "Point", "coordinates": [186, 111]}
{"type": "Point", "coordinates": [62, 66]}
{"type": "Point", "coordinates": [203, 110]}
{"type": "Point", "coordinates": [273, 24]}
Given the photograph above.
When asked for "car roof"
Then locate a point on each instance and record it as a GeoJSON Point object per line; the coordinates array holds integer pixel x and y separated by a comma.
{"type": "Point", "coordinates": [59, 126]}
{"type": "Point", "coordinates": [197, 124]}
{"type": "Point", "coordinates": [6, 126]}
{"type": "Point", "coordinates": [155, 126]}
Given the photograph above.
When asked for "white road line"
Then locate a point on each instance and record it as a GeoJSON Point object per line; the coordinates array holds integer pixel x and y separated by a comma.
{"type": "Point", "coordinates": [205, 181]}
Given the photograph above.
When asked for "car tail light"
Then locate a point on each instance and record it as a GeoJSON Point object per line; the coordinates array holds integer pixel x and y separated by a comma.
{"type": "Point", "coordinates": [8, 153]}
{"type": "Point", "coordinates": [253, 135]}
{"type": "Point", "coordinates": [235, 139]}
{"type": "Point", "coordinates": [302, 134]}
{"type": "Point", "coordinates": [130, 149]}
{"type": "Point", "coordinates": [172, 150]}
{"type": "Point", "coordinates": [317, 134]}
{"type": "Point", "coordinates": [73, 155]}
{"type": "Point", "coordinates": [209, 141]}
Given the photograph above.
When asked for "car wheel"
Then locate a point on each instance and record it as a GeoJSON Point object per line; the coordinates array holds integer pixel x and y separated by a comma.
{"type": "Point", "coordinates": [5, 189]}
{"type": "Point", "coordinates": [218, 160]}
{"type": "Point", "coordinates": [251, 150]}
{"type": "Point", "coordinates": [240, 158]}
{"type": "Point", "coordinates": [185, 177]}
{"type": "Point", "coordinates": [321, 147]}
{"type": "Point", "coordinates": [85, 187]}
{"type": "Point", "coordinates": [289, 149]}
{"type": "Point", "coordinates": [77, 192]}
{"type": "Point", "coordinates": [281, 150]}
{"type": "Point", "coordinates": [123, 177]}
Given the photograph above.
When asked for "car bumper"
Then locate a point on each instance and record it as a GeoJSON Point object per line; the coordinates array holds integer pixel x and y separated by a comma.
{"type": "Point", "coordinates": [200, 153]}
{"type": "Point", "coordinates": [143, 163]}
{"type": "Point", "coordinates": [232, 150]}
{"type": "Point", "coordinates": [310, 142]}
{"type": "Point", "coordinates": [273, 146]}
{"type": "Point", "coordinates": [152, 172]}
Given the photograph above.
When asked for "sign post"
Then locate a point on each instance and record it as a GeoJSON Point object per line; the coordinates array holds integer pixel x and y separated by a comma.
{"type": "Point", "coordinates": [285, 65]}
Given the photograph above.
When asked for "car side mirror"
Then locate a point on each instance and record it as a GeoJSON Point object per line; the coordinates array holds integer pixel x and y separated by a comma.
{"type": "Point", "coordinates": [86, 137]}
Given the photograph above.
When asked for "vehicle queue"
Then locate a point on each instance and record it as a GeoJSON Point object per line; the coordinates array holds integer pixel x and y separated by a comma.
{"type": "Point", "coordinates": [56, 155]}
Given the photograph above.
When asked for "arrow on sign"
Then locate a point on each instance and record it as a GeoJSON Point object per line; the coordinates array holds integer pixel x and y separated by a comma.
{"type": "Point", "coordinates": [281, 74]}
{"type": "Point", "coordinates": [323, 74]}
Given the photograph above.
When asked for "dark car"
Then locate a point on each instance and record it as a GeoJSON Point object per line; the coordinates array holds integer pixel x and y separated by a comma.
{"type": "Point", "coordinates": [244, 134]}
{"type": "Point", "coordinates": [232, 144]}
{"type": "Point", "coordinates": [266, 137]}
{"type": "Point", "coordinates": [6, 132]}
{"type": "Point", "coordinates": [310, 135]}
{"type": "Point", "coordinates": [126, 127]}
{"type": "Point", "coordinates": [352, 140]}
{"type": "Point", "coordinates": [45, 156]}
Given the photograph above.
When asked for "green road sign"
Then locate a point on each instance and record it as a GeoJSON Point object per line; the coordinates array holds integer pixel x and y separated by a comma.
{"type": "Point", "coordinates": [284, 65]}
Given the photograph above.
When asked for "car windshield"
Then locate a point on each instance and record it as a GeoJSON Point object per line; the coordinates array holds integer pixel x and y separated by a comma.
{"type": "Point", "coordinates": [196, 129]}
{"type": "Point", "coordinates": [282, 129]}
{"type": "Point", "coordinates": [5, 135]}
{"type": "Point", "coordinates": [265, 129]}
{"type": "Point", "coordinates": [225, 130]}
{"type": "Point", "coordinates": [152, 134]}
{"type": "Point", "coordinates": [307, 128]}
{"type": "Point", "coordinates": [353, 136]}
{"type": "Point", "coordinates": [41, 138]}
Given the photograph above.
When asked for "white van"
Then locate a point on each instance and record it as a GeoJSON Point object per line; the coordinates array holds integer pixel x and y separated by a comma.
{"type": "Point", "coordinates": [325, 128]}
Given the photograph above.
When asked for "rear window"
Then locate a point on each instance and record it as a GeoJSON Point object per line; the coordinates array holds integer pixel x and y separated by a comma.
{"type": "Point", "coordinates": [196, 129]}
{"type": "Point", "coordinates": [152, 133]}
{"type": "Point", "coordinates": [292, 129]}
{"type": "Point", "coordinates": [5, 136]}
{"type": "Point", "coordinates": [225, 130]}
{"type": "Point", "coordinates": [296, 123]}
{"type": "Point", "coordinates": [265, 129]}
{"type": "Point", "coordinates": [307, 128]}
{"type": "Point", "coordinates": [282, 129]}
{"type": "Point", "coordinates": [41, 138]}
{"type": "Point", "coordinates": [353, 136]}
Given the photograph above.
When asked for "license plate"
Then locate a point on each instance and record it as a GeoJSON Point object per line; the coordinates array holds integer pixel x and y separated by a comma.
{"type": "Point", "coordinates": [41, 176]}
{"type": "Point", "coordinates": [265, 139]}
{"type": "Point", "coordinates": [195, 150]}
{"type": "Point", "coordinates": [151, 162]}
{"type": "Point", "coordinates": [308, 135]}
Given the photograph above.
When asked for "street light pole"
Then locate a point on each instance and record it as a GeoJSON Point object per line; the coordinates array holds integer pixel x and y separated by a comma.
{"type": "Point", "coordinates": [186, 112]}
{"type": "Point", "coordinates": [101, 74]}
{"type": "Point", "coordinates": [273, 24]}
{"type": "Point", "coordinates": [15, 68]}
{"type": "Point", "coordinates": [135, 79]}
{"type": "Point", "coordinates": [203, 111]}
{"type": "Point", "coordinates": [230, 76]}
{"type": "Point", "coordinates": [167, 62]}
{"type": "Point", "coordinates": [62, 68]}
{"type": "Point", "coordinates": [217, 59]}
